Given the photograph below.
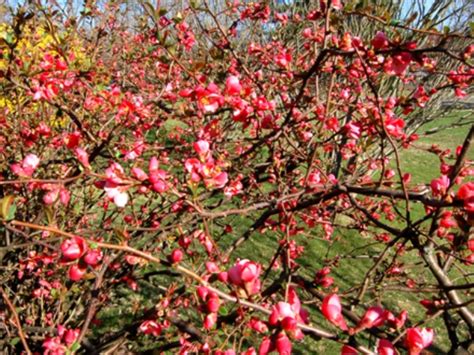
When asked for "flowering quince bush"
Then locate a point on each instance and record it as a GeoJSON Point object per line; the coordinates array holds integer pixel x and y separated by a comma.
{"type": "Point", "coordinates": [176, 178]}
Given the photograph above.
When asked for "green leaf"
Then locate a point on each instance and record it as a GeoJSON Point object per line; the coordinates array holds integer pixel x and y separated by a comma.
{"type": "Point", "coordinates": [75, 346]}
{"type": "Point", "coordinates": [14, 341]}
{"type": "Point", "coordinates": [11, 213]}
{"type": "Point", "coordinates": [5, 204]}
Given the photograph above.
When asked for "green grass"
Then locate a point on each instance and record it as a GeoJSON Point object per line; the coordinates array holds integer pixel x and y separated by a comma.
{"type": "Point", "coordinates": [423, 165]}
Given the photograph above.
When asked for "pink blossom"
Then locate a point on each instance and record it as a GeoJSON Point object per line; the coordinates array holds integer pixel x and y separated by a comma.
{"type": "Point", "coordinates": [213, 303]}
{"type": "Point", "coordinates": [150, 327]}
{"type": "Point", "coordinates": [76, 272]}
{"type": "Point", "coordinates": [418, 339]}
{"type": "Point", "coordinates": [233, 86]}
{"type": "Point", "coordinates": [288, 314]}
{"type": "Point", "coordinates": [283, 59]}
{"type": "Point", "coordinates": [201, 147]}
{"type": "Point", "coordinates": [385, 347]}
{"type": "Point", "coordinates": [332, 310]}
{"type": "Point", "coordinates": [73, 248]}
{"type": "Point", "coordinates": [258, 325]}
{"type": "Point", "coordinates": [119, 197]}
{"type": "Point", "coordinates": [440, 185]}
{"type": "Point", "coordinates": [218, 181]}
{"type": "Point", "coordinates": [283, 344]}
{"type": "Point", "coordinates": [139, 174]}
{"type": "Point", "coordinates": [115, 174]}
{"type": "Point", "coordinates": [93, 257]}
{"type": "Point", "coordinates": [27, 166]}
{"type": "Point", "coordinates": [373, 317]}
{"type": "Point", "coordinates": [352, 130]}
{"type": "Point", "coordinates": [53, 346]}
{"type": "Point", "coordinates": [265, 346]}
{"type": "Point", "coordinates": [397, 64]}
{"type": "Point", "coordinates": [245, 274]}
{"type": "Point", "coordinates": [380, 41]}
{"type": "Point", "coordinates": [394, 127]}
{"type": "Point", "coordinates": [210, 320]}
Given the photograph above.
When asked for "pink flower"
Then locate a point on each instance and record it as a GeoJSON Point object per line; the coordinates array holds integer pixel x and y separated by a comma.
{"type": "Point", "coordinates": [210, 320]}
{"type": "Point", "coordinates": [201, 147]}
{"type": "Point", "coordinates": [332, 310]}
{"type": "Point", "coordinates": [336, 4]}
{"type": "Point", "coordinates": [380, 41]}
{"type": "Point", "coordinates": [119, 197]}
{"type": "Point", "coordinates": [245, 274]}
{"type": "Point", "coordinates": [69, 336]}
{"type": "Point", "coordinates": [139, 174]}
{"type": "Point", "coordinates": [373, 317]}
{"type": "Point", "coordinates": [283, 59]}
{"type": "Point", "coordinates": [209, 99]}
{"type": "Point", "coordinates": [397, 64]}
{"type": "Point", "coordinates": [27, 166]}
{"type": "Point", "coordinates": [213, 303]}
{"type": "Point", "coordinates": [53, 346]}
{"type": "Point", "coordinates": [352, 130]}
{"type": "Point", "coordinates": [150, 327]}
{"type": "Point", "coordinates": [418, 339]}
{"type": "Point", "coordinates": [115, 174]}
{"type": "Point", "coordinates": [258, 325]}
{"type": "Point", "coordinates": [440, 185]}
{"type": "Point", "coordinates": [288, 314]}
{"type": "Point", "coordinates": [93, 257]}
{"type": "Point", "coordinates": [73, 248]}
{"type": "Point", "coordinates": [396, 322]}
{"type": "Point", "coordinates": [233, 86]}
{"type": "Point", "coordinates": [283, 344]}
{"type": "Point", "coordinates": [82, 156]}
{"type": "Point", "coordinates": [394, 127]}
{"type": "Point", "coordinates": [218, 181]}
{"type": "Point", "coordinates": [50, 197]}
{"type": "Point", "coordinates": [158, 180]}
{"type": "Point", "coordinates": [76, 272]}
{"type": "Point", "coordinates": [385, 347]}
{"type": "Point", "coordinates": [265, 346]}
{"type": "Point", "coordinates": [212, 267]}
